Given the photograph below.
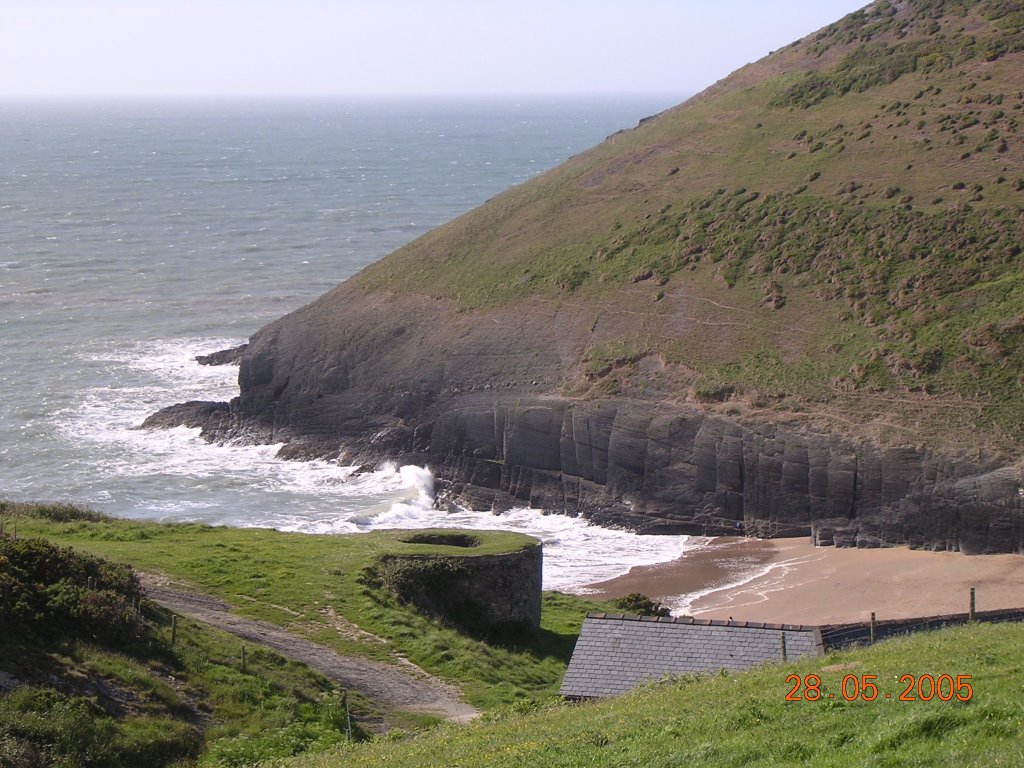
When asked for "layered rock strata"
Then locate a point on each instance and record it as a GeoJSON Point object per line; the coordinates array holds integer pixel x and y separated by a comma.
{"type": "Point", "coordinates": [637, 465]}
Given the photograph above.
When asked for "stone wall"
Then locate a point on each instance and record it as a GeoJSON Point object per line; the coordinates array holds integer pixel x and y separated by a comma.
{"type": "Point", "coordinates": [477, 592]}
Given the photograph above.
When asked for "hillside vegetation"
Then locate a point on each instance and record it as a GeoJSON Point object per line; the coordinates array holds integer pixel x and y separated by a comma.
{"type": "Point", "coordinates": [133, 699]}
{"type": "Point", "coordinates": [96, 681]}
{"type": "Point", "coordinates": [744, 719]}
{"type": "Point", "coordinates": [837, 227]}
{"type": "Point", "coordinates": [327, 589]}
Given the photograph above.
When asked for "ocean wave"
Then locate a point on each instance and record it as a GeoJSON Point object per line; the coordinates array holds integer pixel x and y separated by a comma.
{"type": "Point", "coordinates": [750, 589]}
{"type": "Point", "coordinates": [576, 553]}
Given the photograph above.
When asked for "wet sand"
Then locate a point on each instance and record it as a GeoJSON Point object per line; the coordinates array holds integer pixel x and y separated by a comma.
{"type": "Point", "coordinates": [792, 581]}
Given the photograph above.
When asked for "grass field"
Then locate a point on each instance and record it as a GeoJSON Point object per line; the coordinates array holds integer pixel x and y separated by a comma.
{"type": "Point", "coordinates": [315, 586]}
{"type": "Point", "coordinates": [744, 719]}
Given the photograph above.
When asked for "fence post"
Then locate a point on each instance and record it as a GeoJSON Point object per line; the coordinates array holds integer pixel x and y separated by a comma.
{"type": "Point", "coordinates": [971, 613]}
{"type": "Point", "coordinates": [783, 644]}
{"type": "Point", "coordinates": [872, 627]}
{"type": "Point", "coordinates": [348, 717]}
{"type": "Point", "coordinates": [174, 629]}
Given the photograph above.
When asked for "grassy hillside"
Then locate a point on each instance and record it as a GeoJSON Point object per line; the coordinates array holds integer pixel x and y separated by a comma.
{"type": "Point", "coordinates": [100, 684]}
{"type": "Point", "coordinates": [744, 719]}
{"type": "Point", "coordinates": [835, 228]}
{"type": "Point", "coordinates": [317, 587]}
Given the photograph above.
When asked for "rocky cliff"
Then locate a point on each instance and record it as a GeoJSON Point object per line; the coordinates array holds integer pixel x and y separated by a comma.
{"type": "Point", "coordinates": [496, 437]}
{"type": "Point", "coordinates": [793, 305]}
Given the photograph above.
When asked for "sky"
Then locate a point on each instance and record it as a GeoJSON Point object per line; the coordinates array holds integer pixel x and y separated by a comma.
{"type": "Point", "coordinates": [93, 49]}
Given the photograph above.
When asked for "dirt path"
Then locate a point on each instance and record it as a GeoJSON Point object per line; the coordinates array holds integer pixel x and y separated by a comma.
{"type": "Point", "coordinates": [384, 684]}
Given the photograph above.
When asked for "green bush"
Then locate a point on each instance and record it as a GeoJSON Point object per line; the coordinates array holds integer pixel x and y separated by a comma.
{"type": "Point", "coordinates": [42, 728]}
{"type": "Point", "coordinates": [59, 512]}
{"type": "Point", "coordinates": [45, 588]}
{"type": "Point", "coordinates": [712, 390]}
{"type": "Point", "coordinates": [641, 605]}
{"type": "Point", "coordinates": [250, 749]}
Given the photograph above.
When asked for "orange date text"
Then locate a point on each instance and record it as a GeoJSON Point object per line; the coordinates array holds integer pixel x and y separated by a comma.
{"type": "Point", "coordinates": [865, 688]}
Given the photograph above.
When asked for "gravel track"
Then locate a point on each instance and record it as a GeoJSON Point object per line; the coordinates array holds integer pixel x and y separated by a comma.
{"type": "Point", "coordinates": [384, 684]}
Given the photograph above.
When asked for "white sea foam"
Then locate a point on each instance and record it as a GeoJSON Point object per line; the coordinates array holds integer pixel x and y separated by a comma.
{"type": "Point", "coordinates": [576, 553]}
{"type": "Point", "coordinates": [751, 589]}
{"type": "Point", "coordinates": [159, 373]}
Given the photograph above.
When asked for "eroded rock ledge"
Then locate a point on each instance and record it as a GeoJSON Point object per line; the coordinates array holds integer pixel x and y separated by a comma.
{"type": "Point", "coordinates": [223, 357]}
{"type": "Point", "coordinates": [639, 465]}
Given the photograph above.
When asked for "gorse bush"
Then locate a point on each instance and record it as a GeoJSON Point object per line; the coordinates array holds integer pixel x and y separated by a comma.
{"type": "Point", "coordinates": [45, 589]}
{"type": "Point", "coordinates": [641, 605]}
{"type": "Point", "coordinates": [886, 45]}
{"type": "Point", "coordinates": [250, 749]}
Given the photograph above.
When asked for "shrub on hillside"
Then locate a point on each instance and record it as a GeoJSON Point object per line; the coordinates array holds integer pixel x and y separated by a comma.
{"type": "Point", "coordinates": [46, 588]}
{"type": "Point", "coordinates": [59, 512]}
{"type": "Point", "coordinates": [40, 728]}
{"type": "Point", "coordinates": [641, 605]}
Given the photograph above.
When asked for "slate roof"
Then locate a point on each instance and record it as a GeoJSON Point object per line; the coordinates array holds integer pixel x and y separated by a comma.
{"type": "Point", "coordinates": [616, 652]}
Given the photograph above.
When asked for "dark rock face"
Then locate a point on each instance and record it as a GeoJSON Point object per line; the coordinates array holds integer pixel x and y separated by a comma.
{"type": "Point", "coordinates": [223, 357]}
{"type": "Point", "coordinates": [634, 465]}
{"type": "Point", "coordinates": [211, 416]}
{"type": "Point", "coordinates": [622, 463]}
{"type": "Point", "coordinates": [471, 398]}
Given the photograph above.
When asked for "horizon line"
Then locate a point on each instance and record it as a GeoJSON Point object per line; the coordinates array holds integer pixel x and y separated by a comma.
{"type": "Point", "coordinates": [354, 96]}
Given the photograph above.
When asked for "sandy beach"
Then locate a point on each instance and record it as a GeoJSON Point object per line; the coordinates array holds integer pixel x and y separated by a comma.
{"type": "Point", "coordinates": [792, 581]}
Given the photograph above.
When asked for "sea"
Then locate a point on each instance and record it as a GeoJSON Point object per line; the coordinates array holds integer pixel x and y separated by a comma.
{"type": "Point", "coordinates": [135, 236]}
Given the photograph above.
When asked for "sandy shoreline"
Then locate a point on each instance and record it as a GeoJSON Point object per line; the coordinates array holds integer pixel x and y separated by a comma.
{"type": "Point", "coordinates": [792, 581]}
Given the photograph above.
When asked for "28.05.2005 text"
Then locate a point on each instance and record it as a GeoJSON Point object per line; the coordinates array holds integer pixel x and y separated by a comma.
{"type": "Point", "coordinates": [913, 688]}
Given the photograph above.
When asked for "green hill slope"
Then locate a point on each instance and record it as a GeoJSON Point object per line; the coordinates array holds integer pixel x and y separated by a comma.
{"type": "Point", "coordinates": [90, 677]}
{"type": "Point", "coordinates": [869, 177]}
{"type": "Point", "coordinates": [745, 720]}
